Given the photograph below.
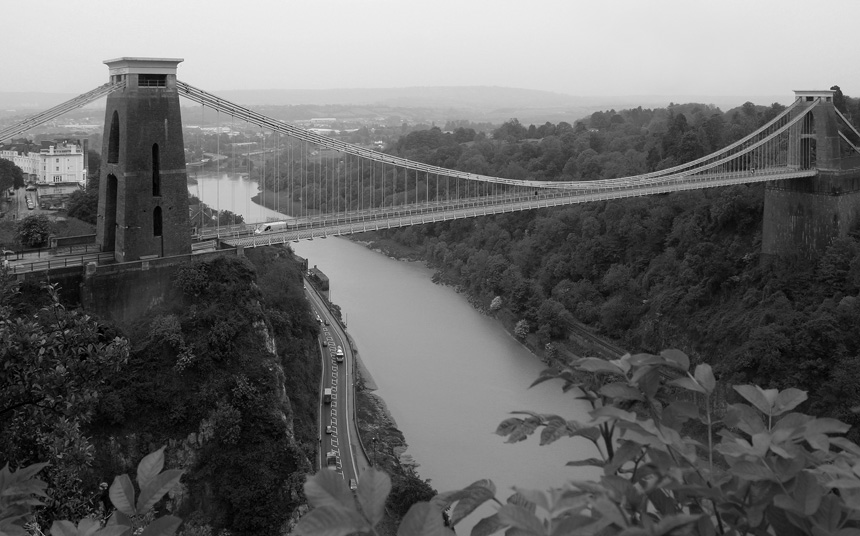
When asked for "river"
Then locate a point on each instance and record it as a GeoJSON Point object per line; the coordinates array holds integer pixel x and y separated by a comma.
{"type": "Point", "coordinates": [448, 374]}
{"type": "Point", "coordinates": [231, 192]}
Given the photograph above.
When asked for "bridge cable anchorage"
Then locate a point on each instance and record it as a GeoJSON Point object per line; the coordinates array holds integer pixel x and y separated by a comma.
{"type": "Point", "coordinates": [60, 109]}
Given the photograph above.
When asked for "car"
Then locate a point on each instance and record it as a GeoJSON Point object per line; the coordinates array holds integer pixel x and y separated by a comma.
{"type": "Point", "coordinates": [329, 430]}
{"type": "Point", "coordinates": [353, 485]}
{"type": "Point", "coordinates": [326, 321]}
{"type": "Point", "coordinates": [339, 354]}
{"type": "Point", "coordinates": [325, 342]}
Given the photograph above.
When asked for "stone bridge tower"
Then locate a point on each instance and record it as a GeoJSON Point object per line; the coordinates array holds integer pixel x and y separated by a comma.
{"type": "Point", "coordinates": [143, 192]}
{"type": "Point", "coordinates": [803, 216]}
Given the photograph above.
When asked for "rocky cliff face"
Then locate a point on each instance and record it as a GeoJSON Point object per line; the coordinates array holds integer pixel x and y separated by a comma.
{"type": "Point", "coordinates": [213, 376]}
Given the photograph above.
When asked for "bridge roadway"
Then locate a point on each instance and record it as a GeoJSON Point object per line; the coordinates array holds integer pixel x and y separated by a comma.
{"type": "Point", "coordinates": [340, 377]}
{"type": "Point", "coordinates": [401, 216]}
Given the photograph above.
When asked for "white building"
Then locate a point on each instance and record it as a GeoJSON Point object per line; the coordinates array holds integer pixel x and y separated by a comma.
{"type": "Point", "coordinates": [61, 163]}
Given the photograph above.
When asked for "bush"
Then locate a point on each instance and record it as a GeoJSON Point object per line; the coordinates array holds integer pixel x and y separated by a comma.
{"type": "Point", "coordinates": [33, 231]}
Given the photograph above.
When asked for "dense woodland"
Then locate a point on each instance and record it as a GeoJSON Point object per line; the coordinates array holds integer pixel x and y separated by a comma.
{"type": "Point", "coordinates": [680, 270]}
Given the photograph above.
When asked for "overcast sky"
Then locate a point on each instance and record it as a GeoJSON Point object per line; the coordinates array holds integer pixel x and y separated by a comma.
{"type": "Point", "coordinates": [594, 47]}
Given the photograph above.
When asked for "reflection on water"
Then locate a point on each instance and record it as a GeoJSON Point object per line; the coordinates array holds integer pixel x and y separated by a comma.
{"type": "Point", "coordinates": [449, 374]}
{"type": "Point", "coordinates": [232, 192]}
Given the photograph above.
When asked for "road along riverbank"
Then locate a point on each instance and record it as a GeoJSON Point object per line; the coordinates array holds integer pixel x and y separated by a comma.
{"type": "Point", "coordinates": [448, 374]}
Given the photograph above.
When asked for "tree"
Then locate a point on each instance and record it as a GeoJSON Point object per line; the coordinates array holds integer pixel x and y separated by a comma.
{"type": "Point", "coordinates": [55, 363]}
{"type": "Point", "coordinates": [33, 231]}
{"type": "Point", "coordinates": [11, 176]}
{"type": "Point", "coordinates": [521, 330]}
{"type": "Point", "coordinates": [84, 205]}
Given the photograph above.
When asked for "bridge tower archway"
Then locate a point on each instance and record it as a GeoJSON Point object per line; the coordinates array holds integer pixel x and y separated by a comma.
{"type": "Point", "coordinates": [144, 174]}
{"type": "Point", "coordinates": [803, 216]}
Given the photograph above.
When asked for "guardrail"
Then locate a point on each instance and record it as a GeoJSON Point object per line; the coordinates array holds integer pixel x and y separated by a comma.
{"type": "Point", "coordinates": [56, 263]}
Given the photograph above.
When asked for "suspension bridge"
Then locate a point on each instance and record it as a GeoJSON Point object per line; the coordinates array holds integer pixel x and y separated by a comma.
{"type": "Point", "coordinates": [326, 187]}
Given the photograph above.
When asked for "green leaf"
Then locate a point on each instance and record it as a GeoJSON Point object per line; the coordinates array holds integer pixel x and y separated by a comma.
{"type": "Point", "coordinates": [846, 445]}
{"type": "Point", "coordinates": [788, 400]}
{"type": "Point", "coordinates": [519, 517]}
{"type": "Point", "coordinates": [149, 467]}
{"type": "Point", "coordinates": [373, 489]}
{"type": "Point", "coordinates": [588, 462]}
{"type": "Point", "coordinates": [555, 429]}
{"type": "Point", "coordinates": [751, 471]}
{"type": "Point", "coordinates": [594, 364]}
{"type": "Point", "coordinates": [744, 417]}
{"type": "Point", "coordinates": [755, 395]}
{"type": "Point", "coordinates": [87, 526]}
{"type": "Point", "coordinates": [529, 499]}
{"type": "Point", "coordinates": [676, 357]}
{"type": "Point", "coordinates": [517, 429]}
{"type": "Point", "coordinates": [163, 526]}
{"type": "Point", "coordinates": [118, 518]}
{"type": "Point", "coordinates": [668, 524]}
{"type": "Point", "coordinates": [487, 526]}
{"type": "Point", "coordinates": [327, 488]}
{"type": "Point", "coordinates": [689, 384]}
{"type": "Point", "coordinates": [423, 519]}
{"type": "Point", "coordinates": [808, 492]}
{"type": "Point", "coordinates": [569, 524]}
{"type": "Point", "coordinates": [156, 489]}
{"type": "Point", "coordinates": [331, 520]}
{"type": "Point", "coordinates": [122, 495]}
{"type": "Point", "coordinates": [621, 391]}
{"type": "Point", "coordinates": [63, 528]}
{"type": "Point", "coordinates": [474, 496]}
{"type": "Point", "coordinates": [825, 426]}
{"type": "Point", "coordinates": [612, 413]}
{"type": "Point", "coordinates": [705, 377]}
{"type": "Point", "coordinates": [113, 530]}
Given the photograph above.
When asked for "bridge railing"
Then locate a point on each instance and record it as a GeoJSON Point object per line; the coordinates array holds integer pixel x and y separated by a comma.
{"type": "Point", "coordinates": [47, 264]}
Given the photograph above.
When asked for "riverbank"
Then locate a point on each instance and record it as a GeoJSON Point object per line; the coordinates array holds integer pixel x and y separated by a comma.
{"type": "Point", "coordinates": [577, 344]}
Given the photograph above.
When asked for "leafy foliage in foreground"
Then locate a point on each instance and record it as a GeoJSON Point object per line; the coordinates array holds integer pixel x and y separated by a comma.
{"type": "Point", "coordinates": [760, 468]}
{"type": "Point", "coordinates": [21, 492]}
{"type": "Point", "coordinates": [55, 364]}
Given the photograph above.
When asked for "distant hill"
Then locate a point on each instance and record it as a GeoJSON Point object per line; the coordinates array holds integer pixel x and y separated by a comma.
{"type": "Point", "coordinates": [475, 103]}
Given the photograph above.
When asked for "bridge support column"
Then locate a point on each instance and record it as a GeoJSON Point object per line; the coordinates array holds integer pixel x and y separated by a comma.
{"type": "Point", "coordinates": [803, 216]}
{"type": "Point", "coordinates": [143, 193]}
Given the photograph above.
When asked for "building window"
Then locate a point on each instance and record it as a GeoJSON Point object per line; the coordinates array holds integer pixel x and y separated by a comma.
{"type": "Point", "coordinates": [152, 80]}
{"type": "Point", "coordinates": [156, 174]}
{"type": "Point", "coordinates": [113, 142]}
{"type": "Point", "coordinates": [156, 222]}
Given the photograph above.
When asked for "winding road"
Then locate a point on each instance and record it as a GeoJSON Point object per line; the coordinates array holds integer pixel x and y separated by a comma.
{"type": "Point", "coordinates": [340, 378]}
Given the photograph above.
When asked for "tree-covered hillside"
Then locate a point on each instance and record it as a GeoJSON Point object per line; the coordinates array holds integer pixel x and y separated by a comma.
{"type": "Point", "coordinates": [224, 372]}
{"type": "Point", "coordinates": [677, 270]}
